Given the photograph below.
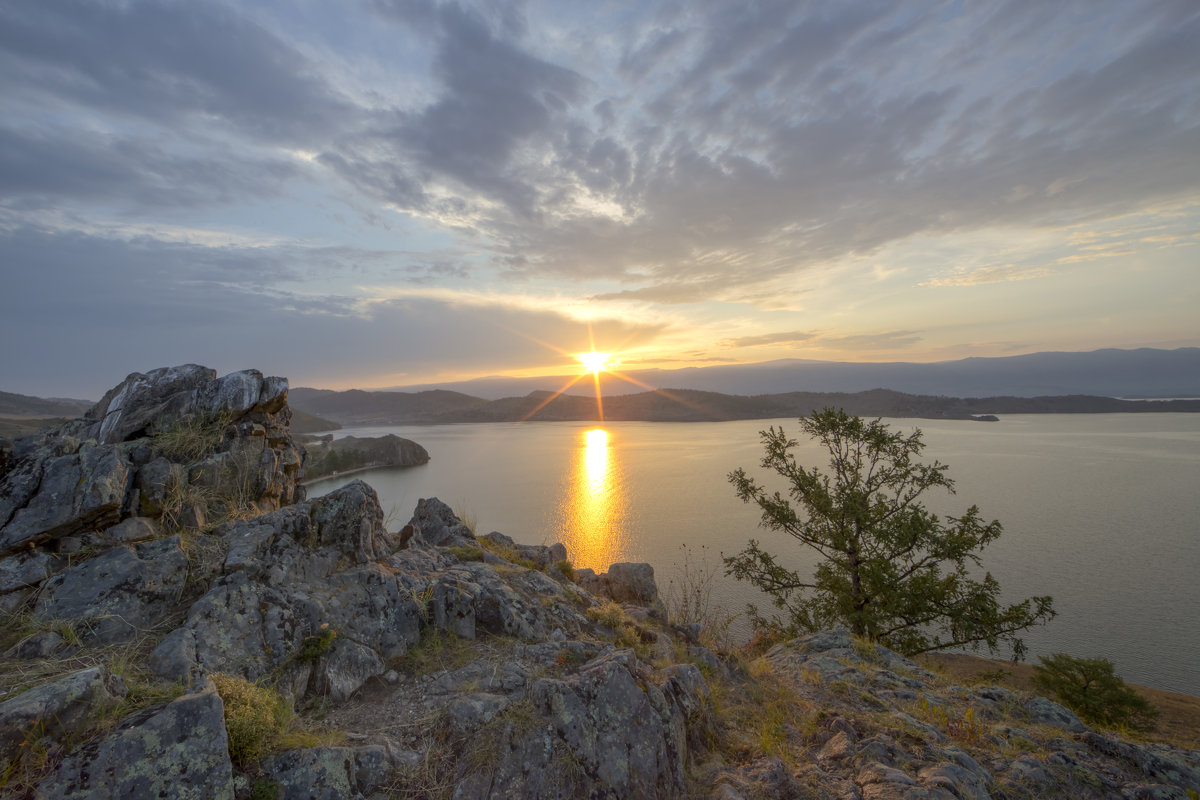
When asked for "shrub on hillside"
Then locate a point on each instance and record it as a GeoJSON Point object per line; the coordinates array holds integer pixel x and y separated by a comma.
{"type": "Point", "coordinates": [1092, 689]}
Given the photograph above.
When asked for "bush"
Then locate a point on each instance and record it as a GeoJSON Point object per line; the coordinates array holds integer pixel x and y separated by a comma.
{"type": "Point", "coordinates": [891, 571]}
{"type": "Point", "coordinates": [1091, 688]}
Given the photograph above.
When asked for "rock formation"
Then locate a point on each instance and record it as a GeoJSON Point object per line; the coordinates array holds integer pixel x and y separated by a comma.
{"type": "Point", "coordinates": [329, 456]}
{"type": "Point", "coordinates": [181, 622]}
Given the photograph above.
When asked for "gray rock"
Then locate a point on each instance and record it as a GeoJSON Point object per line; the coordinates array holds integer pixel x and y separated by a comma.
{"type": "Point", "coordinates": [120, 592]}
{"type": "Point", "coordinates": [26, 569]}
{"type": "Point", "coordinates": [875, 772]}
{"type": "Point", "coordinates": [179, 751]}
{"type": "Point", "coordinates": [453, 604]}
{"type": "Point", "coordinates": [133, 529]}
{"type": "Point", "coordinates": [372, 767]}
{"type": "Point", "coordinates": [1160, 765]}
{"type": "Point", "coordinates": [958, 781]}
{"type": "Point", "coordinates": [74, 492]}
{"type": "Point", "coordinates": [128, 408]}
{"type": "Point", "coordinates": [55, 709]}
{"type": "Point", "coordinates": [341, 672]}
{"type": "Point", "coordinates": [603, 732]}
{"type": "Point", "coordinates": [435, 524]}
{"type": "Point", "coordinates": [318, 773]}
{"type": "Point", "coordinates": [352, 519]}
{"type": "Point", "coordinates": [625, 583]}
{"type": "Point", "coordinates": [151, 482]}
{"type": "Point", "coordinates": [1048, 712]}
{"type": "Point", "coordinates": [1029, 771]}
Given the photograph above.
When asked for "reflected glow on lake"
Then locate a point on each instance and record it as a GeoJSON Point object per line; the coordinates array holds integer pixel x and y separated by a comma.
{"type": "Point", "coordinates": [591, 514]}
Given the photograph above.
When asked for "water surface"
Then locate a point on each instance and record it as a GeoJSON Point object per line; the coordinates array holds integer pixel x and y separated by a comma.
{"type": "Point", "coordinates": [1099, 511]}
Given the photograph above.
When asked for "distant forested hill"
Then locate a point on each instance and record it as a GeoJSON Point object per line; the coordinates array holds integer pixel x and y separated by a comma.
{"type": "Point", "coordinates": [357, 407]}
{"type": "Point", "coordinates": [1144, 372]}
{"type": "Point", "coordinates": [689, 405]}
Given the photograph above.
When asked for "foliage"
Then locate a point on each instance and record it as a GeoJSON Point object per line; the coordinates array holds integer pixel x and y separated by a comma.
{"type": "Point", "coordinates": [1091, 688]}
{"type": "Point", "coordinates": [315, 646]}
{"type": "Point", "coordinates": [566, 568]}
{"type": "Point", "coordinates": [437, 650]}
{"type": "Point", "coordinates": [892, 571]}
{"type": "Point", "coordinates": [465, 552]}
{"type": "Point", "coordinates": [255, 716]}
{"type": "Point", "coordinates": [264, 790]}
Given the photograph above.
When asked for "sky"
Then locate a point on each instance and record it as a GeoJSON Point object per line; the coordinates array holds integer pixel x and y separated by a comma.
{"type": "Point", "coordinates": [378, 193]}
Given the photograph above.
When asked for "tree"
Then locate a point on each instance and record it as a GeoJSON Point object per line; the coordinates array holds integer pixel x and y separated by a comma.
{"type": "Point", "coordinates": [1091, 688]}
{"type": "Point", "coordinates": [891, 571]}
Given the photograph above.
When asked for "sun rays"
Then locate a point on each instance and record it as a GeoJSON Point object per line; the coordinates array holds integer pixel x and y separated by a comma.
{"type": "Point", "coordinates": [595, 362]}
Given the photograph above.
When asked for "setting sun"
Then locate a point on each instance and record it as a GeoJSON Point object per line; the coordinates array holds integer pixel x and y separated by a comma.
{"type": "Point", "coordinates": [594, 362]}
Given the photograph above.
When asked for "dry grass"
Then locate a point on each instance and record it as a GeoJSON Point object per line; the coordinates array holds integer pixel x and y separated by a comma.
{"type": "Point", "coordinates": [759, 714]}
{"type": "Point", "coordinates": [191, 439]}
{"type": "Point", "coordinates": [41, 752]}
{"type": "Point", "coordinates": [689, 599]}
{"type": "Point", "coordinates": [1179, 714]}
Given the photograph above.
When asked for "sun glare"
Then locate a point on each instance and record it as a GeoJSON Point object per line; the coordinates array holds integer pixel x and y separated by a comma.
{"type": "Point", "coordinates": [594, 362]}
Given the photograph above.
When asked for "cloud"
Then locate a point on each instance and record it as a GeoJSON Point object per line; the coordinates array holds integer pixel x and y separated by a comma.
{"type": "Point", "coordinates": [785, 337]}
{"type": "Point", "coordinates": [168, 64]}
{"type": "Point", "coordinates": [42, 168]}
{"type": "Point", "coordinates": [885, 340]}
{"type": "Point", "coordinates": [496, 101]}
{"type": "Point", "coordinates": [993, 274]}
{"type": "Point", "coordinates": [90, 309]}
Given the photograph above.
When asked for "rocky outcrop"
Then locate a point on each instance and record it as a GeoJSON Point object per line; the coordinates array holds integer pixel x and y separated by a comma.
{"type": "Point", "coordinates": [175, 449]}
{"type": "Point", "coordinates": [171, 514]}
{"type": "Point", "coordinates": [328, 456]}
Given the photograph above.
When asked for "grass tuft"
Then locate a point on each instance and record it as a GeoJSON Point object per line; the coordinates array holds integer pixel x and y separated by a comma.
{"type": "Point", "coordinates": [255, 717]}
{"type": "Point", "coordinates": [190, 439]}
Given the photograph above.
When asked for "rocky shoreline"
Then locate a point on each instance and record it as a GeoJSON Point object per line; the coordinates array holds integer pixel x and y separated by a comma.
{"type": "Point", "coordinates": [181, 621]}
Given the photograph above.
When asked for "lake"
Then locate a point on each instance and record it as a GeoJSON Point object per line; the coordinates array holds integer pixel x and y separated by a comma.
{"type": "Point", "coordinates": [1102, 511]}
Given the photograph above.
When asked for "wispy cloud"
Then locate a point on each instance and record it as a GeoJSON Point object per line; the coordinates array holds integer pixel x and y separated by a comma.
{"type": "Point", "coordinates": [786, 337]}
{"type": "Point", "coordinates": [996, 274]}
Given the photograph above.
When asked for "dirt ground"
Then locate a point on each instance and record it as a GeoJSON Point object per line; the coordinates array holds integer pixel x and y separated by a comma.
{"type": "Point", "coordinates": [1179, 714]}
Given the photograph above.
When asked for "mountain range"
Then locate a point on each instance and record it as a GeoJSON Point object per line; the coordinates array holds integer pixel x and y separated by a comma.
{"type": "Point", "coordinates": [1143, 373]}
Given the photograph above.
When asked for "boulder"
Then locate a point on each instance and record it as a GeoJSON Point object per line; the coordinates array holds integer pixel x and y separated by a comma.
{"type": "Point", "coordinates": [435, 524]}
{"type": "Point", "coordinates": [179, 751]}
{"type": "Point", "coordinates": [115, 595]}
{"type": "Point", "coordinates": [86, 489]}
{"type": "Point", "coordinates": [55, 710]}
{"type": "Point", "coordinates": [603, 732]}
{"type": "Point", "coordinates": [624, 582]}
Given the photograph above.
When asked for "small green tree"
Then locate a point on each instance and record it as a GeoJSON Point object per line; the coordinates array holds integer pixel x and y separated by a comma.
{"type": "Point", "coordinates": [892, 571]}
{"type": "Point", "coordinates": [1091, 688]}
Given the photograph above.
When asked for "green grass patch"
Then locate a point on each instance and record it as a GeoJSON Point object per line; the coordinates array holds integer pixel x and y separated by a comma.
{"type": "Point", "coordinates": [465, 552]}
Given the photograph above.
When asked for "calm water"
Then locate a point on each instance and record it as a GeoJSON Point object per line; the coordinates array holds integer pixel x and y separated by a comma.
{"type": "Point", "coordinates": [1101, 511]}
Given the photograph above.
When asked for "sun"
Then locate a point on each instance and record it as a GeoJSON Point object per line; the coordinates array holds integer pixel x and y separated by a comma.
{"type": "Point", "coordinates": [593, 362]}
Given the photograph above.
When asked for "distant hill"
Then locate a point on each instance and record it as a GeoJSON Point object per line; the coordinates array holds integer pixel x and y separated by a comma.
{"type": "Point", "coordinates": [303, 422]}
{"type": "Point", "coordinates": [1144, 372]}
{"type": "Point", "coordinates": [689, 405]}
{"type": "Point", "coordinates": [357, 407]}
{"type": "Point", "coordinates": [20, 405]}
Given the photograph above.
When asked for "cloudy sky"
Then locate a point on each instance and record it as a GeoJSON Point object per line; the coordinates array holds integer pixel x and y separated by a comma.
{"type": "Point", "coordinates": [389, 192]}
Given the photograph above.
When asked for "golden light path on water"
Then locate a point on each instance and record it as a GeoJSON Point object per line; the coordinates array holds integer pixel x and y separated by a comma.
{"type": "Point", "coordinates": [591, 516]}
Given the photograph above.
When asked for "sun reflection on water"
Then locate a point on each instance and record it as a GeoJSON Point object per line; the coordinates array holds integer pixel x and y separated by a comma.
{"type": "Point", "coordinates": [592, 510]}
